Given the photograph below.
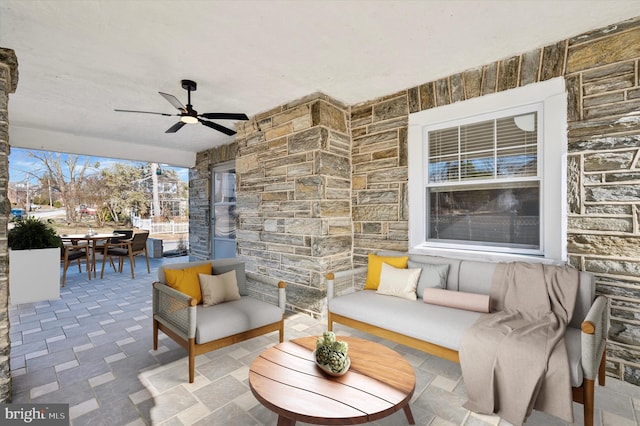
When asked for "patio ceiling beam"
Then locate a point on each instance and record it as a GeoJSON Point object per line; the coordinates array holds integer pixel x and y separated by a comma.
{"type": "Point", "coordinates": [49, 140]}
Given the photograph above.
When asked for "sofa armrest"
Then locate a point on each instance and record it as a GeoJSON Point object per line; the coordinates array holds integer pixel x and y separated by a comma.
{"type": "Point", "coordinates": [174, 309]}
{"type": "Point", "coordinates": [349, 273]}
{"type": "Point", "coordinates": [282, 295]}
{"type": "Point", "coordinates": [594, 333]}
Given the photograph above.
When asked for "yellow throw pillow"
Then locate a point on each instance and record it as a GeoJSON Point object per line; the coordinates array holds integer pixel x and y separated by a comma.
{"type": "Point", "coordinates": [375, 267]}
{"type": "Point", "coordinates": [186, 280]}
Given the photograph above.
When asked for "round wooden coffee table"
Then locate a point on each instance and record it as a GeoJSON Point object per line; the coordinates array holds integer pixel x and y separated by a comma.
{"type": "Point", "coordinates": [286, 380]}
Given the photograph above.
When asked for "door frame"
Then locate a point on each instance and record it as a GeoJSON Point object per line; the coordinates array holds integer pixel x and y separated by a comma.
{"type": "Point", "coordinates": [217, 168]}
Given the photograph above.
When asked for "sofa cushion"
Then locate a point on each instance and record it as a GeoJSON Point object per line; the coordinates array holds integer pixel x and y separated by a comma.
{"type": "Point", "coordinates": [433, 275]}
{"type": "Point", "coordinates": [186, 280]}
{"type": "Point", "coordinates": [226, 319]}
{"type": "Point", "coordinates": [435, 324]}
{"type": "Point", "coordinates": [457, 299]}
{"type": "Point", "coordinates": [476, 276]}
{"type": "Point", "coordinates": [218, 288]}
{"type": "Point", "coordinates": [454, 264]}
{"type": "Point", "coordinates": [573, 341]}
{"type": "Point", "coordinates": [374, 267]}
{"type": "Point", "coordinates": [440, 325]}
{"type": "Point", "coordinates": [220, 266]}
{"type": "Point", "coordinates": [398, 282]}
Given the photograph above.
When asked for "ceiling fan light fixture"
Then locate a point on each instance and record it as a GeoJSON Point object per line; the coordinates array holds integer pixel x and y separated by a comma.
{"type": "Point", "coordinates": [188, 115]}
{"type": "Point", "coordinates": [189, 119]}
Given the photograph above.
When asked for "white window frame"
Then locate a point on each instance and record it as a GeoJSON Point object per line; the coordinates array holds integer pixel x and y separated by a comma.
{"type": "Point", "coordinates": [552, 97]}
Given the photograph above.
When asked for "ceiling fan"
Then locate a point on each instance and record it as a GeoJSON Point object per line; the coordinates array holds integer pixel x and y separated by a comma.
{"type": "Point", "coordinates": [188, 115]}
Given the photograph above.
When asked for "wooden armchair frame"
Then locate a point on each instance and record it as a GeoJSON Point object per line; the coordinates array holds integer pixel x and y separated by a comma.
{"type": "Point", "coordinates": [126, 248]}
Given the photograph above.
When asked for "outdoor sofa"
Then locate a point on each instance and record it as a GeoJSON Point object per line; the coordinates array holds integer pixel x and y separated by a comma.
{"type": "Point", "coordinates": [438, 330]}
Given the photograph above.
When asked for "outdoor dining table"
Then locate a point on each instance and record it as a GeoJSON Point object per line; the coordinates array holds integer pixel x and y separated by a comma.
{"type": "Point", "coordinates": [92, 240]}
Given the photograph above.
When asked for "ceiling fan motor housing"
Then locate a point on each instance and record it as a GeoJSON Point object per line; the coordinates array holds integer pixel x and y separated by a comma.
{"type": "Point", "coordinates": [189, 85]}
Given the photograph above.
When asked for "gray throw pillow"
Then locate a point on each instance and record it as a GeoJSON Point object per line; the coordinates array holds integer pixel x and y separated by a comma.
{"type": "Point", "coordinates": [432, 276]}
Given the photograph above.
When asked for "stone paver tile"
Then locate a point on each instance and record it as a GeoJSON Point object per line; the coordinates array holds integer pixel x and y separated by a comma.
{"type": "Point", "coordinates": [101, 379]}
{"type": "Point", "coordinates": [66, 365]}
{"type": "Point", "coordinates": [83, 408]}
{"type": "Point", "coordinates": [140, 396]}
{"type": "Point", "coordinates": [43, 389]}
{"type": "Point", "coordinates": [115, 357]}
{"type": "Point", "coordinates": [36, 354]}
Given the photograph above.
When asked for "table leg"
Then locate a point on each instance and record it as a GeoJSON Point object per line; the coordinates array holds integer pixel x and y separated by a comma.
{"type": "Point", "coordinates": [283, 421]}
{"type": "Point", "coordinates": [93, 257]}
{"type": "Point", "coordinates": [409, 414]}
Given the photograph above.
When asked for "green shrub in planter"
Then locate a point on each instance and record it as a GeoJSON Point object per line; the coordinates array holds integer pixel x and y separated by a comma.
{"type": "Point", "coordinates": [32, 233]}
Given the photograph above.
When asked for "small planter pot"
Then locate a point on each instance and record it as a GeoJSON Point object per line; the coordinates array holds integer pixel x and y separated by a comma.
{"type": "Point", "coordinates": [34, 275]}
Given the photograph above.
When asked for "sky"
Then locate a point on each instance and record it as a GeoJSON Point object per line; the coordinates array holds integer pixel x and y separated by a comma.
{"type": "Point", "coordinates": [23, 167]}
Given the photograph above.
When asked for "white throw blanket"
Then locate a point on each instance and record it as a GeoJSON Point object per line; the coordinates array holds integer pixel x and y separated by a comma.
{"type": "Point", "coordinates": [515, 359]}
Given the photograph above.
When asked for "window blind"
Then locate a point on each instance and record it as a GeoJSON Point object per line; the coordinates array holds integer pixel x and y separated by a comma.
{"type": "Point", "coordinates": [501, 148]}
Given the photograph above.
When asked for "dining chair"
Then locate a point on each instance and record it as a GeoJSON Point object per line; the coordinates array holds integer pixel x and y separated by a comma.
{"type": "Point", "coordinates": [74, 251]}
{"type": "Point", "coordinates": [127, 248]}
{"type": "Point", "coordinates": [123, 234]}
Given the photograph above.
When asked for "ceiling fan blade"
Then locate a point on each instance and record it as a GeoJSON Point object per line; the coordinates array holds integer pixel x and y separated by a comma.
{"type": "Point", "coordinates": [224, 116]}
{"type": "Point", "coordinates": [175, 127]}
{"type": "Point", "coordinates": [174, 101]}
{"type": "Point", "coordinates": [144, 112]}
{"type": "Point", "coordinates": [218, 127]}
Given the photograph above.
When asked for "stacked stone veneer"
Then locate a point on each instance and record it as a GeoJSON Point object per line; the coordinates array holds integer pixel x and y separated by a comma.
{"type": "Point", "coordinates": [200, 197]}
{"type": "Point", "coordinates": [602, 73]}
{"type": "Point", "coordinates": [8, 83]}
{"type": "Point", "coordinates": [293, 178]}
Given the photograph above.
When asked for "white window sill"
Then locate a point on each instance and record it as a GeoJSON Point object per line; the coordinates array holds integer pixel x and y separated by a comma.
{"type": "Point", "coordinates": [489, 256]}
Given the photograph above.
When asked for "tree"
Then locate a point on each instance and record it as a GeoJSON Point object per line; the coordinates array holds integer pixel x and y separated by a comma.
{"type": "Point", "coordinates": [124, 194]}
{"type": "Point", "coordinates": [65, 175]}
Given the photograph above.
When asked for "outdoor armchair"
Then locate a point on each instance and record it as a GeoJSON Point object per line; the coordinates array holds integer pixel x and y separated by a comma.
{"type": "Point", "coordinates": [74, 251]}
{"type": "Point", "coordinates": [127, 249]}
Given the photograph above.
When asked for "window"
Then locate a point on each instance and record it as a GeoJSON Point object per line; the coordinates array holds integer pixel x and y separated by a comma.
{"type": "Point", "coordinates": [488, 175]}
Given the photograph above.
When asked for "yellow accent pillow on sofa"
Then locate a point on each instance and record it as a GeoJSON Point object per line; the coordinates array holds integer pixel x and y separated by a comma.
{"type": "Point", "coordinates": [374, 268]}
{"type": "Point", "coordinates": [186, 280]}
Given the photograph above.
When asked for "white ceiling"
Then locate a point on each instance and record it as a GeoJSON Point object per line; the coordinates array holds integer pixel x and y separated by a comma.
{"type": "Point", "coordinates": [80, 59]}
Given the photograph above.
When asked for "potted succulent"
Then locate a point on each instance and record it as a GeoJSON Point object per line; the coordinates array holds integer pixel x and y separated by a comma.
{"type": "Point", "coordinates": [34, 261]}
{"type": "Point", "coordinates": [332, 355]}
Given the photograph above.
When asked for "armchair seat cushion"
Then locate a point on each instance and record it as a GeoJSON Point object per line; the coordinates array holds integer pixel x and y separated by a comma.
{"type": "Point", "coordinates": [118, 252]}
{"type": "Point", "coordinates": [226, 319]}
{"type": "Point", "coordinates": [76, 254]}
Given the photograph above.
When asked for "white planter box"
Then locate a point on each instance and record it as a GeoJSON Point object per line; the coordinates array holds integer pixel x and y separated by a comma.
{"type": "Point", "coordinates": [34, 275]}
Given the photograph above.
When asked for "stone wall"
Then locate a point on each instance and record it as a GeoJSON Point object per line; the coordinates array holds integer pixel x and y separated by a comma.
{"type": "Point", "coordinates": [8, 84]}
{"type": "Point", "coordinates": [379, 179]}
{"type": "Point", "coordinates": [200, 198]}
{"type": "Point", "coordinates": [602, 73]}
{"type": "Point", "coordinates": [379, 131]}
{"type": "Point", "coordinates": [293, 175]}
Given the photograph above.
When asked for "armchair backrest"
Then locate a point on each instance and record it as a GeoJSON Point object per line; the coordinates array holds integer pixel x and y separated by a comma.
{"type": "Point", "coordinates": [125, 235]}
{"type": "Point", "coordinates": [218, 266]}
{"type": "Point", "coordinates": [139, 241]}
